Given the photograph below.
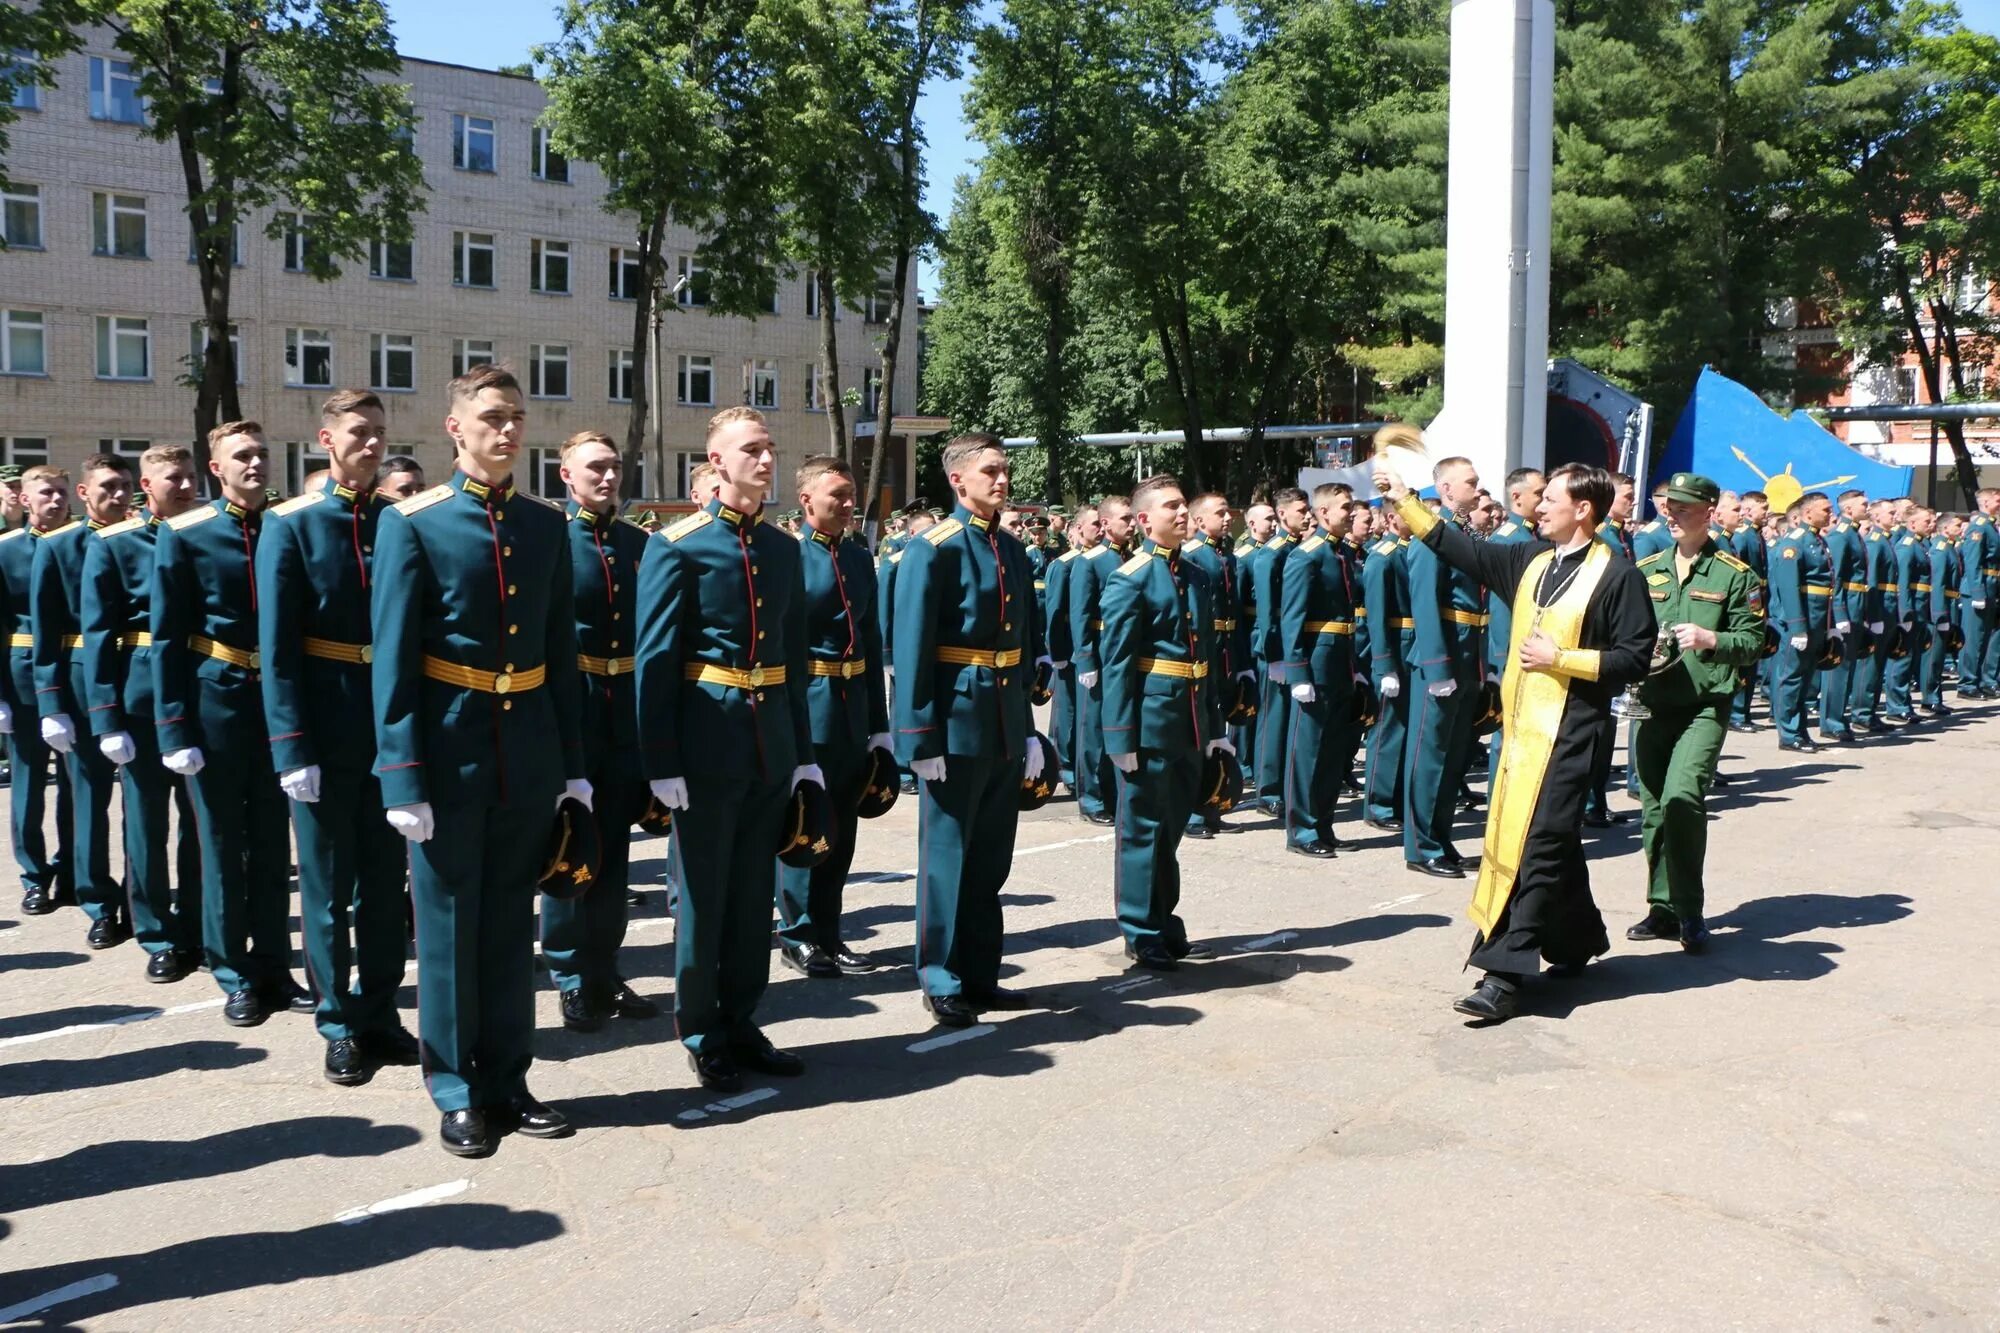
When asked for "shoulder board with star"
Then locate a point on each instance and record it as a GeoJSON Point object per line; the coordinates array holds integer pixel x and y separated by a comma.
{"type": "Point", "coordinates": [1066, 556]}
{"type": "Point", "coordinates": [1136, 563]}
{"type": "Point", "coordinates": [539, 499]}
{"type": "Point", "coordinates": [423, 500]}
{"type": "Point", "coordinates": [11, 536]}
{"type": "Point", "coordinates": [1655, 558]}
{"type": "Point", "coordinates": [635, 523]}
{"type": "Point", "coordinates": [1096, 551]}
{"type": "Point", "coordinates": [940, 533]}
{"type": "Point", "coordinates": [56, 531]}
{"type": "Point", "coordinates": [127, 525]}
{"type": "Point", "coordinates": [694, 522]}
{"type": "Point", "coordinates": [1245, 547]}
{"type": "Point", "coordinates": [1312, 543]}
{"type": "Point", "coordinates": [182, 522]}
{"type": "Point", "coordinates": [1277, 543]}
{"type": "Point", "coordinates": [1735, 564]}
{"type": "Point", "coordinates": [296, 503]}
{"type": "Point", "coordinates": [1509, 528]}
{"type": "Point", "coordinates": [1909, 541]}
{"type": "Point", "coordinates": [1387, 546]}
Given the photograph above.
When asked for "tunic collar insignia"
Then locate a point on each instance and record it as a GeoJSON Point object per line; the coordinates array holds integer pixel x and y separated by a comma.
{"type": "Point", "coordinates": [349, 494]}
{"type": "Point", "coordinates": [234, 510]}
{"type": "Point", "coordinates": [590, 518]}
{"type": "Point", "coordinates": [821, 538]}
{"type": "Point", "coordinates": [732, 517]}
{"type": "Point", "coordinates": [484, 493]}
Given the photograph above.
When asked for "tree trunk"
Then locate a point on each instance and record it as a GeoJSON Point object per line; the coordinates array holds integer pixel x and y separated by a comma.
{"type": "Point", "coordinates": [1927, 361]}
{"type": "Point", "coordinates": [651, 236]}
{"type": "Point", "coordinates": [829, 370]}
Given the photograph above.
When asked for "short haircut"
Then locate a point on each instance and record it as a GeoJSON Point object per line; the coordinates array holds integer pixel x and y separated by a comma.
{"type": "Point", "coordinates": [961, 449]}
{"type": "Point", "coordinates": [822, 465]}
{"type": "Point", "coordinates": [1289, 495]}
{"type": "Point", "coordinates": [1852, 494]}
{"type": "Point", "coordinates": [702, 475]}
{"type": "Point", "coordinates": [229, 428]}
{"type": "Point", "coordinates": [313, 479]}
{"type": "Point", "coordinates": [166, 455]}
{"type": "Point", "coordinates": [1659, 489]}
{"type": "Point", "coordinates": [1623, 479]}
{"type": "Point", "coordinates": [1081, 510]}
{"type": "Point", "coordinates": [348, 400]}
{"type": "Point", "coordinates": [1810, 496]}
{"type": "Point", "coordinates": [401, 463]}
{"type": "Point", "coordinates": [1112, 501]}
{"type": "Point", "coordinates": [1446, 464]}
{"type": "Point", "coordinates": [729, 416]}
{"type": "Point", "coordinates": [44, 472]}
{"type": "Point", "coordinates": [1986, 492]}
{"type": "Point", "coordinates": [478, 379]}
{"type": "Point", "coordinates": [1758, 496]}
{"type": "Point", "coordinates": [105, 462]}
{"type": "Point", "coordinates": [1327, 491]}
{"type": "Point", "coordinates": [1143, 493]}
{"type": "Point", "coordinates": [1591, 485]}
{"type": "Point", "coordinates": [1519, 475]}
{"type": "Point", "coordinates": [583, 437]}
{"type": "Point", "coordinates": [1203, 500]}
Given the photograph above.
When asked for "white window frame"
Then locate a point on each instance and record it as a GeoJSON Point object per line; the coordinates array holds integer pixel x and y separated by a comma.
{"type": "Point", "coordinates": [545, 473]}
{"type": "Point", "coordinates": [107, 209]}
{"type": "Point", "coordinates": [129, 450]}
{"type": "Point", "coordinates": [812, 297]}
{"type": "Point", "coordinates": [379, 251]}
{"type": "Point", "coordinates": [24, 451]}
{"type": "Point", "coordinates": [624, 259]}
{"type": "Point", "coordinates": [1909, 385]}
{"type": "Point", "coordinates": [198, 345]}
{"type": "Point", "coordinates": [543, 155]}
{"type": "Point", "coordinates": [549, 259]}
{"type": "Point", "coordinates": [235, 244]}
{"type": "Point", "coordinates": [463, 358]}
{"type": "Point", "coordinates": [297, 241]}
{"type": "Point", "coordinates": [18, 195]}
{"type": "Point", "coordinates": [813, 403]}
{"type": "Point", "coordinates": [382, 347]}
{"type": "Point", "coordinates": [104, 73]}
{"type": "Point", "coordinates": [685, 462]}
{"type": "Point", "coordinates": [879, 302]}
{"type": "Point", "coordinates": [27, 93]}
{"type": "Point", "coordinates": [871, 392]}
{"type": "Point", "coordinates": [299, 343]}
{"type": "Point", "coordinates": [542, 357]}
{"type": "Point", "coordinates": [115, 330]}
{"type": "Point", "coordinates": [618, 368]}
{"type": "Point", "coordinates": [300, 458]}
{"type": "Point", "coordinates": [696, 293]}
{"type": "Point", "coordinates": [760, 383]}
{"type": "Point", "coordinates": [12, 321]}
{"type": "Point", "coordinates": [465, 128]}
{"type": "Point", "coordinates": [685, 371]}
{"type": "Point", "coordinates": [463, 244]}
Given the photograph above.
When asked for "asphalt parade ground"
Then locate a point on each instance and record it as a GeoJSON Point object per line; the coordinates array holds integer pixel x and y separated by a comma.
{"type": "Point", "coordinates": [1794, 1131]}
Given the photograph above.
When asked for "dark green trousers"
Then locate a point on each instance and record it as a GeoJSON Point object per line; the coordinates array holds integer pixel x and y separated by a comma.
{"type": "Point", "coordinates": [965, 849]}
{"type": "Point", "coordinates": [1790, 678]}
{"type": "Point", "coordinates": [1440, 740]}
{"type": "Point", "coordinates": [473, 885]}
{"type": "Point", "coordinates": [1930, 672]}
{"type": "Point", "coordinates": [1093, 771]}
{"type": "Point", "coordinates": [1675, 758]}
{"type": "Point", "coordinates": [29, 768]}
{"type": "Point", "coordinates": [809, 900]}
{"type": "Point", "coordinates": [1320, 744]}
{"type": "Point", "coordinates": [1153, 805]}
{"type": "Point", "coordinates": [1384, 799]}
{"type": "Point", "coordinates": [246, 861]}
{"type": "Point", "coordinates": [1274, 722]}
{"type": "Point", "coordinates": [351, 870]}
{"type": "Point", "coordinates": [724, 855]}
{"type": "Point", "coordinates": [581, 936]}
{"type": "Point", "coordinates": [159, 922]}
{"type": "Point", "coordinates": [1899, 674]}
{"type": "Point", "coordinates": [92, 779]}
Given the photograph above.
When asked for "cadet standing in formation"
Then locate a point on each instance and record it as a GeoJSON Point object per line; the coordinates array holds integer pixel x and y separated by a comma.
{"type": "Point", "coordinates": [1448, 665]}
{"type": "Point", "coordinates": [1979, 600]}
{"type": "Point", "coordinates": [1062, 648]}
{"type": "Point", "coordinates": [1391, 639]}
{"type": "Point", "coordinates": [1208, 549]}
{"type": "Point", "coordinates": [1264, 569]}
{"type": "Point", "coordinates": [1801, 595]}
{"type": "Point", "coordinates": [45, 875]}
{"type": "Point", "coordinates": [1317, 613]}
{"type": "Point", "coordinates": [1086, 621]}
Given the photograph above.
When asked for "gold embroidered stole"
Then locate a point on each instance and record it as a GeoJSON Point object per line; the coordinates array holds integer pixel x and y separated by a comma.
{"type": "Point", "coordinates": [1532, 703]}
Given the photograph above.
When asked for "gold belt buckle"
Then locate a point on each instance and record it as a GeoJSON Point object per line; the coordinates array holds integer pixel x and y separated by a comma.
{"type": "Point", "coordinates": [503, 683]}
{"type": "Point", "coordinates": [757, 677]}
{"type": "Point", "coordinates": [610, 666]}
{"type": "Point", "coordinates": [367, 653]}
{"type": "Point", "coordinates": [256, 661]}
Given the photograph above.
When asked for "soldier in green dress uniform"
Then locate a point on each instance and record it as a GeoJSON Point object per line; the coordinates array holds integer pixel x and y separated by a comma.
{"type": "Point", "coordinates": [1086, 621]}
{"type": "Point", "coordinates": [45, 875]}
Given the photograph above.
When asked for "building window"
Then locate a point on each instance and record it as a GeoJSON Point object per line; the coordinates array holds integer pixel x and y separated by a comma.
{"type": "Point", "coordinates": [696, 273]}
{"type": "Point", "coordinates": [129, 450]}
{"type": "Point", "coordinates": [620, 390]}
{"type": "Point", "coordinates": [114, 92]}
{"type": "Point", "coordinates": [1972, 291]}
{"type": "Point", "coordinates": [298, 244]}
{"type": "Point", "coordinates": [395, 261]}
{"type": "Point", "coordinates": [628, 274]}
{"type": "Point", "coordinates": [815, 394]}
{"type": "Point", "coordinates": [684, 466]}
{"type": "Point", "coordinates": [1908, 385]}
{"type": "Point", "coordinates": [472, 258]}
{"type": "Point", "coordinates": [308, 358]}
{"type": "Point", "coordinates": [469, 352]}
{"type": "Point", "coordinates": [21, 217]}
{"type": "Point", "coordinates": [696, 384]}
{"type": "Point", "coordinates": [198, 347]}
{"type": "Point", "coordinates": [24, 451]}
{"type": "Point", "coordinates": [300, 461]}
{"type": "Point", "coordinates": [812, 297]}
{"type": "Point", "coordinates": [548, 370]}
{"type": "Point", "coordinates": [472, 143]}
{"type": "Point", "coordinates": [871, 392]}
{"type": "Point", "coordinates": [20, 67]}
{"type": "Point", "coordinates": [545, 474]}
{"type": "Point", "coordinates": [124, 348]}
{"type": "Point", "coordinates": [24, 346]}
{"type": "Point", "coordinates": [760, 381]}
{"type": "Point", "coordinates": [392, 361]}
{"type": "Point", "coordinates": [879, 302]}
{"type": "Point", "coordinates": [548, 164]}
{"type": "Point", "coordinates": [548, 267]}
{"type": "Point", "coordinates": [118, 225]}
{"type": "Point", "coordinates": [235, 245]}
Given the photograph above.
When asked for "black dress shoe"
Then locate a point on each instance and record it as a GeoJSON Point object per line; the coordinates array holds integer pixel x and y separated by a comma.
{"type": "Point", "coordinates": [289, 995]}
{"type": "Point", "coordinates": [168, 965]}
{"type": "Point", "coordinates": [1352, 788]}
{"type": "Point", "coordinates": [345, 1063]}
{"type": "Point", "coordinates": [1566, 971]}
{"type": "Point", "coordinates": [1385, 825]}
{"type": "Point", "coordinates": [1492, 1000]}
{"type": "Point", "coordinates": [1272, 806]}
{"type": "Point", "coordinates": [628, 1003]}
{"type": "Point", "coordinates": [1694, 935]}
{"type": "Point", "coordinates": [579, 1014]}
{"type": "Point", "coordinates": [852, 964]}
{"type": "Point", "coordinates": [1189, 950]}
{"type": "Point", "coordinates": [1450, 856]}
{"type": "Point", "coordinates": [756, 1052]}
{"type": "Point", "coordinates": [107, 932]}
{"type": "Point", "coordinates": [996, 997]}
{"type": "Point", "coordinates": [634, 898]}
{"type": "Point", "coordinates": [395, 1046]}
{"type": "Point", "coordinates": [1201, 831]}
{"type": "Point", "coordinates": [1152, 955]}
{"type": "Point", "coordinates": [1090, 818]}
{"type": "Point", "coordinates": [1436, 867]}
{"type": "Point", "coordinates": [1835, 737]}
{"type": "Point", "coordinates": [809, 960]}
{"type": "Point", "coordinates": [1657, 925]}
{"type": "Point", "coordinates": [1319, 851]}
{"type": "Point", "coordinates": [37, 901]}
{"type": "Point", "coordinates": [522, 1114]}
{"type": "Point", "coordinates": [1743, 728]}
{"type": "Point", "coordinates": [1469, 801]}
{"type": "Point", "coordinates": [465, 1134]}
{"type": "Point", "coordinates": [950, 1011]}
{"type": "Point", "coordinates": [244, 1009]}
{"type": "Point", "coordinates": [1799, 747]}
{"type": "Point", "coordinates": [1596, 819]}
{"type": "Point", "coordinates": [717, 1072]}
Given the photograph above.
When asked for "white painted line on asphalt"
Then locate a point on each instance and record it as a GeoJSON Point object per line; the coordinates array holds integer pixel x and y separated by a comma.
{"type": "Point", "coordinates": [728, 1104]}
{"type": "Point", "coordinates": [950, 1038]}
{"type": "Point", "coordinates": [1265, 942]}
{"type": "Point", "coordinates": [90, 1286]}
{"type": "Point", "coordinates": [414, 1199]}
{"type": "Point", "coordinates": [1066, 842]}
{"type": "Point", "coordinates": [1130, 983]}
{"type": "Point", "coordinates": [119, 1022]}
{"type": "Point", "coordinates": [1403, 901]}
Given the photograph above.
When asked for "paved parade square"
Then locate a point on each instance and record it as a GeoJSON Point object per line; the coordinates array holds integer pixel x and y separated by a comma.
{"type": "Point", "coordinates": [1794, 1131]}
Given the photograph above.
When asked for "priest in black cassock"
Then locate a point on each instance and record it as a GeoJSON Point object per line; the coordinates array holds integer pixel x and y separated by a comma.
{"type": "Point", "coordinates": [1582, 630]}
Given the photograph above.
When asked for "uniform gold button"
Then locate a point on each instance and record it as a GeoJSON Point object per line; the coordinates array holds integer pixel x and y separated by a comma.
{"type": "Point", "coordinates": [506, 705]}
{"type": "Point", "coordinates": [614, 643]}
{"type": "Point", "coordinates": [760, 634]}
{"type": "Point", "coordinates": [510, 666]}
{"type": "Point", "coordinates": [760, 697]}
{"type": "Point", "coordinates": [615, 587]}
{"type": "Point", "coordinates": [506, 550]}
{"type": "Point", "coordinates": [499, 513]}
{"type": "Point", "coordinates": [1003, 680]}
{"type": "Point", "coordinates": [753, 569]}
{"type": "Point", "coordinates": [616, 615]}
{"type": "Point", "coordinates": [610, 559]}
{"type": "Point", "coordinates": [760, 601]}
{"type": "Point", "coordinates": [1007, 625]}
{"type": "Point", "coordinates": [513, 629]}
{"type": "Point", "coordinates": [511, 590]}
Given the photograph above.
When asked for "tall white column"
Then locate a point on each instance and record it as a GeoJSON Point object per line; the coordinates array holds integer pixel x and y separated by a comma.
{"type": "Point", "coordinates": [1496, 342]}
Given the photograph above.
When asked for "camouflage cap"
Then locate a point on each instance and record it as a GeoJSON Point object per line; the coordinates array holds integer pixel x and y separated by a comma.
{"type": "Point", "coordinates": [1693, 488]}
{"type": "Point", "coordinates": [11, 471]}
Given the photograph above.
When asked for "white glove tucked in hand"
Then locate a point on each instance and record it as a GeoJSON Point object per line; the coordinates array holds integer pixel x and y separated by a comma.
{"type": "Point", "coordinates": [1036, 754]}
{"type": "Point", "coordinates": [1798, 643]}
{"type": "Point", "coordinates": [580, 790]}
{"type": "Point", "coordinates": [670, 792]}
{"type": "Point", "coordinates": [1125, 763]}
{"type": "Point", "coordinates": [1441, 689]}
{"type": "Point", "coordinates": [186, 762]}
{"type": "Point", "coordinates": [1304, 693]}
{"type": "Point", "coordinates": [416, 822]}
{"type": "Point", "coordinates": [1222, 743]}
{"type": "Point", "coordinates": [932, 770]}
{"type": "Point", "coordinates": [808, 773]}
{"type": "Point", "coordinates": [1979, 606]}
{"type": "Point", "coordinates": [301, 784]}
{"type": "Point", "coordinates": [1088, 679]}
{"type": "Point", "coordinates": [118, 748]}
{"type": "Point", "coordinates": [1875, 627]}
{"type": "Point", "coordinates": [1391, 687]}
{"type": "Point", "coordinates": [57, 733]}
{"type": "Point", "coordinates": [6, 720]}
{"type": "Point", "coordinates": [1246, 675]}
{"type": "Point", "coordinates": [1840, 628]}
{"type": "Point", "coordinates": [880, 741]}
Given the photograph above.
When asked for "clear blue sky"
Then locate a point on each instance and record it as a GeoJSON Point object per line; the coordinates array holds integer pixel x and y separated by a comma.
{"type": "Point", "coordinates": [507, 28]}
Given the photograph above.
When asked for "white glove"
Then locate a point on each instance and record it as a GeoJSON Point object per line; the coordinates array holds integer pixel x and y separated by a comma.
{"type": "Point", "coordinates": [880, 741]}
{"type": "Point", "coordinates": [1979, 606]}
{"type": "Point", "coordinates": [670, 792]}
{"type": "Point", "coordinates": [932, 770]}
{"type": "Point", "coordinates": [301, 784]}
{"type": "Point", "coordinates": [1840, 628]}
{"type": "Point", "coordinates": [1304, 693]}
{"type": "Point", "coordinates": [808, 773]}
{"type": "Point", "coordinates": [1246, 675]}
{"type": "Point", "coordinates": [890, 674]}
{"type": "Point", "coordinates": [1874, 627]}
{"type": "Point", "coordinates": [57, 733]}
{"type": "Point", "coordinates": [1034, 769]}
{"type": "Point", "coordinates": [1088, 679]}
{"type": "Point", "coordinates": [1060, 666]}
{"type": "Point", "coordinates": [6, 720]}
{"type": "Point", "coordinates": [1391, 687]}
{"type": "Point", "coordinates": [578, 788]}
{"type": "Point", "coordinates": [186, 762]}
{"type": "Point", "coordinates": [1798, 643]}
{"type": "Point", "coordinates": [415, 822]}
{"type": "Point", "coordinates": [1909, 622]}
{"type": "Point", "coordinates": [1046, 661]}
{"type": "Point", "coordinates": [118, 748]}
{"type": "Point", "coordinates": [1222, 743]}
{"type": "Point", "coordinates": [1124, 763]}
{"type": "Point", "coordinates": [1441, 689]}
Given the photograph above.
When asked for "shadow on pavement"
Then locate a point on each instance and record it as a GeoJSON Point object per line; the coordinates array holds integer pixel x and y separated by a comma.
{"type": "Point", "coordinates": [41, 962]}
{"type": "Point", "coordinates": [128, 1164]}
{"type": "Point", "coordinates": [217, 1265]}
{"type": "Point", "coordinates": [21, 1025]}
{"type": "Point", "coordinates": [33, 1078]}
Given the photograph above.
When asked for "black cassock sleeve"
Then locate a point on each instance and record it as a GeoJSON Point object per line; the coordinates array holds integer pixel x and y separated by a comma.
{"type": "Point", "coordinates": [1621, 623]}
{"type": "Point", "coordinates": [1498, 566]}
